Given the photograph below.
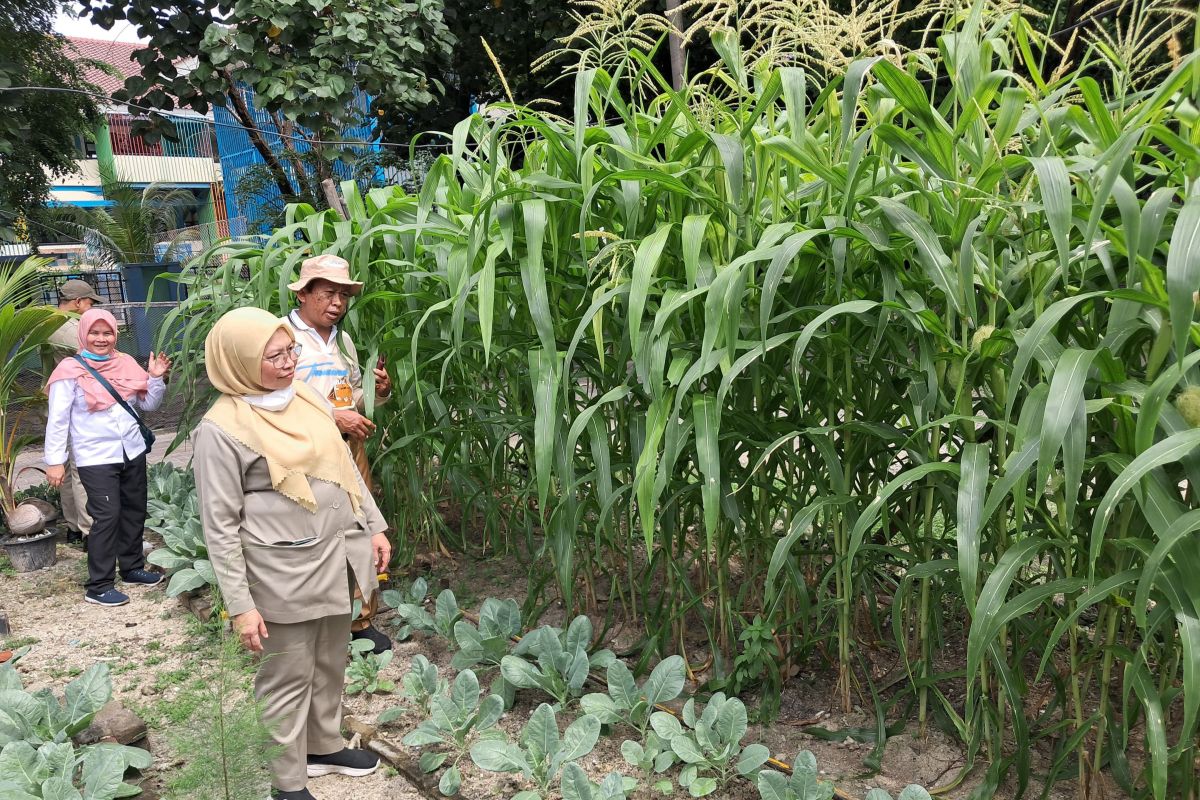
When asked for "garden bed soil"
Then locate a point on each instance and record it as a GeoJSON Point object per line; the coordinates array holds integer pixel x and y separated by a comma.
{"type": "Point", "coordinates": [150, 647]}
{"type": "Point", "coordinates": [809, 698]}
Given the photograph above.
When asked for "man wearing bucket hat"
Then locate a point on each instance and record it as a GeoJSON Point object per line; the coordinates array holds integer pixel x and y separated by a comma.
{"type": "Point", "coordinates": [329, 364]}
{"type": "Point", "coordinates": [74, 298]}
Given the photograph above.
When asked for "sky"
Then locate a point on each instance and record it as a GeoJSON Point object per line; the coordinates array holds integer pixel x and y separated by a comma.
{"type": "Point", "coordinates": [123, 32]}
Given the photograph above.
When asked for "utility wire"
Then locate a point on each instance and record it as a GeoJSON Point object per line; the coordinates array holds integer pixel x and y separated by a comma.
{"type": "Point", "coordinates": [206, 120]}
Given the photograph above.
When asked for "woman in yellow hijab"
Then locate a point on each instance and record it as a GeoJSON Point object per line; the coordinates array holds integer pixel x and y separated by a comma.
{"type": "Point", "coordinates": [291, 530]}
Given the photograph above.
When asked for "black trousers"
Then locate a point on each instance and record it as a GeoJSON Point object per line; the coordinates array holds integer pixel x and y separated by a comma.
{"type": "Point", "coordinates": [116, 502]}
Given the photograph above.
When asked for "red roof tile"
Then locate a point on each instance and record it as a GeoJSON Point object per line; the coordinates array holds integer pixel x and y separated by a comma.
{"type": "Point", "coordinates": [118, 54]}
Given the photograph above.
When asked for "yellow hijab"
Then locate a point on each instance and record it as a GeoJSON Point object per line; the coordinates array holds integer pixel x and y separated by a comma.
{"type": "Point", "coordinates": [300, 441]}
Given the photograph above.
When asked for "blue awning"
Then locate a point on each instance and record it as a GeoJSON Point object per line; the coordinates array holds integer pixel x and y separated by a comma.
{"type": "Point", "coordinates": [78, 196]}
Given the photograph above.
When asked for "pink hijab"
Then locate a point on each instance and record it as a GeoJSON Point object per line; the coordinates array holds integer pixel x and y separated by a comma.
{"type": "Point", "coordinates": [121, 370]}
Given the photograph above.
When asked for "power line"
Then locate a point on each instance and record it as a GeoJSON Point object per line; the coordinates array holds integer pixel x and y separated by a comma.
{"type": "Point", "coordinates": [240, 127]}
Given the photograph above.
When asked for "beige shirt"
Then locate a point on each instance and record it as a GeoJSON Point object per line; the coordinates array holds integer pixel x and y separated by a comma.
{"type": "Point", "coordinates": [270, 554]}
{"type": "Point", "coordinates": [66, 338]}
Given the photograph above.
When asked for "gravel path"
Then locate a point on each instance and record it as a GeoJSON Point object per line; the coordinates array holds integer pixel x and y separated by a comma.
{"type": "Point", "coordinates": [150, 645]}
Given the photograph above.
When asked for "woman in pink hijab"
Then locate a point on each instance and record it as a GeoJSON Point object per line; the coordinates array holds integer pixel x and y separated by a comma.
{"type": "Point", "coordinates": [93, 396]}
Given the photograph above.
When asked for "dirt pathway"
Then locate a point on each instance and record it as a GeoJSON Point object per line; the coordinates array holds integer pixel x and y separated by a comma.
{"type": "Point", "coordinates": [153, 646]}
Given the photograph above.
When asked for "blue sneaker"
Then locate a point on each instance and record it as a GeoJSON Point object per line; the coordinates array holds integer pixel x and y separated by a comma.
{"type": "Point", "coordinates": [144, 577]}
{"type": "Point", "coordinates": [110, 598]}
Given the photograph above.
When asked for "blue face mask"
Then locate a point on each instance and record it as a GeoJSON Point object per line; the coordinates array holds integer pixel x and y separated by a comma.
{"type": "Point", "coordinates": [90, 356]}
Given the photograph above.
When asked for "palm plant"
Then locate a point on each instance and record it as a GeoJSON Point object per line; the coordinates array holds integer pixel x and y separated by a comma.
{"type": "Point", "coordinates": [25, 329]}
{"type": "Point", "coordinates": [127, 230]}
{"type": "Point", "coordinates": [826, 363]}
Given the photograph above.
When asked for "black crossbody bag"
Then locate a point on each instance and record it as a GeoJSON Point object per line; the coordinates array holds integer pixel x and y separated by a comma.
{"type": "Point", "coordinates": [147, 434]}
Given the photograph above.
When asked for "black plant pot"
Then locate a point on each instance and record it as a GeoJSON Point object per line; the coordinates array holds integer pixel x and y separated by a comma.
{"type": "Point", "coordinates": [37, 552]}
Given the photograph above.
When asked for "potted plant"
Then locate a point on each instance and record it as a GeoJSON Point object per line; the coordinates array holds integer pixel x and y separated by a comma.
{"type": "Point", "coordinates": [25, 328]}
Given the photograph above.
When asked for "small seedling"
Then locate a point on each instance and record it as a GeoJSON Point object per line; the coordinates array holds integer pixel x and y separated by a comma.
{"type": "Point", "coordinates": [576, 786]}
{"type": "Point", "coordinates": [420, 685]}
{"type": "Point", "coordinates": [365, 668]}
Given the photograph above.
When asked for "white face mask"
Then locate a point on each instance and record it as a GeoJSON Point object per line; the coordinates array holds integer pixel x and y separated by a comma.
{"type": "Point", "coordinates": [274, 401]}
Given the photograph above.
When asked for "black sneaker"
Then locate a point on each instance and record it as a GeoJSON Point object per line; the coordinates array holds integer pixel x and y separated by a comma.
{"type": "Point", "coordinates": [144, 577]}
{"type": "Point", "coordinates": [74, 538]}
{"type": "Point", "coordinates": [379, 639]}
{"type": "Point", "coordinates": [110, 598]}
{"type": "Point", "coordinates": [299, 794]}
{"type": "Point", "coordinates": [355, 763]}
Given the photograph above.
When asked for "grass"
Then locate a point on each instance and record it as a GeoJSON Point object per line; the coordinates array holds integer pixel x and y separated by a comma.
{"type": "Point", "coordinates": [17, 642]}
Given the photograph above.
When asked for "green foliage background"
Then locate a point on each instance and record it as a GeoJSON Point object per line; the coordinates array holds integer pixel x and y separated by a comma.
{"type": "Point", "coordinates": [877, 368]}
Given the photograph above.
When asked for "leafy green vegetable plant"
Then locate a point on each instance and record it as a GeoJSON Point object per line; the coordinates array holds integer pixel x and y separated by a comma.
{"type": "Point", "coordinates": [802, 784]}
{"type": "Point", "coordinates": [711, 744]}
{"type": "Point", "coordinates": [652, 757]}
{"type": "Point", "coordinates": [173, 512]}
{"type": "Point", "coordinates": [365, 669]}
{"type": "Point", "coordinates": [410, 606]}
{"type": "Point", "coordinates": [575, 785]}
{"type": "Point", "coordinates": [457, 717]}
{"type": "Point", "coordinates": [37, 757]}
{"type": "Point", "coordinates": [487, 644]}
{"type": "Point", "coordinates": [562, 661]}
{"type": "Point", "coordinates": [632, 704]}
{"type": "Point", "coordinates": [539, 754]}
{"type": "Point", "coordinates": [421, 685]}
{"type": "Point", "coordinates": [910, 792]}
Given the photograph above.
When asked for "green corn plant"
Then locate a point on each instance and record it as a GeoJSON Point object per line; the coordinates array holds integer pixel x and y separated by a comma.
{"type": "Point", "coordinates": [871, 353]}
{"type": "Point", "coordinates": [539, 753]}
{"type": "Point", "coordinates": [457, 718]}
{"type": "Point", "coordinates": [561, 661]}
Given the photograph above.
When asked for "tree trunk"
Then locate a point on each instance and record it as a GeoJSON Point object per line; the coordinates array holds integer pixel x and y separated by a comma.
{"type": "Point", "coordinates": [288, 130]}
{"type": "Point", "coordinates": [242, 112]}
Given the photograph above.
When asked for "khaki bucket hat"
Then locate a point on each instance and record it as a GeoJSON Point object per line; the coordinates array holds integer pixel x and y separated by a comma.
{"type": "Point", "coordinates": [334, 269]}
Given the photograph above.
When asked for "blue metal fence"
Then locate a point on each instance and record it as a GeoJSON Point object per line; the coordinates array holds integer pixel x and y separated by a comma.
{"type": "Point", "coordinates": [238, 155]}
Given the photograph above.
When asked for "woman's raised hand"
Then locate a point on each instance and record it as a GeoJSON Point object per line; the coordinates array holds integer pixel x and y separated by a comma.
{"type": "Point", "coordinates": [159, 365]}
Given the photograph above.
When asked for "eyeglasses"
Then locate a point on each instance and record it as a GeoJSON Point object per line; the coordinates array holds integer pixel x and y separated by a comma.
{"type": "Point", "coordinates": [327, 295]}
{"type": "Point", "coordinates": [281, 358]}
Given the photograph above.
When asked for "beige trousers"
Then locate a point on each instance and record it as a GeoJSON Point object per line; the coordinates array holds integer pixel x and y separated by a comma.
{"type": "Point", "coordinates": [73, 497]}
{"type": "Point", "coordinates": [359, 451]}
{"type": "Point", "coordinates": [300, 682]}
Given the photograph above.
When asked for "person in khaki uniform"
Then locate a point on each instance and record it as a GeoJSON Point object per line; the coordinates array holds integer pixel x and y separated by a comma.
{"type": "Point", "coordinates": [74, 298]}
{"type": "Point", "coordinates": [328, 362]}
{"type": "Point", "coordinates": [291, 532]}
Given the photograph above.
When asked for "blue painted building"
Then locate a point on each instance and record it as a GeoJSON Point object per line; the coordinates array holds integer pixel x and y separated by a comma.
{"type": "Point", "coordinates": [238, 156]}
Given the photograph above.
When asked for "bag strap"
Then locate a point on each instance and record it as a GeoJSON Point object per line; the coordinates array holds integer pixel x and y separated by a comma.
{"type": "Point", "coordinates": [115, 394]}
